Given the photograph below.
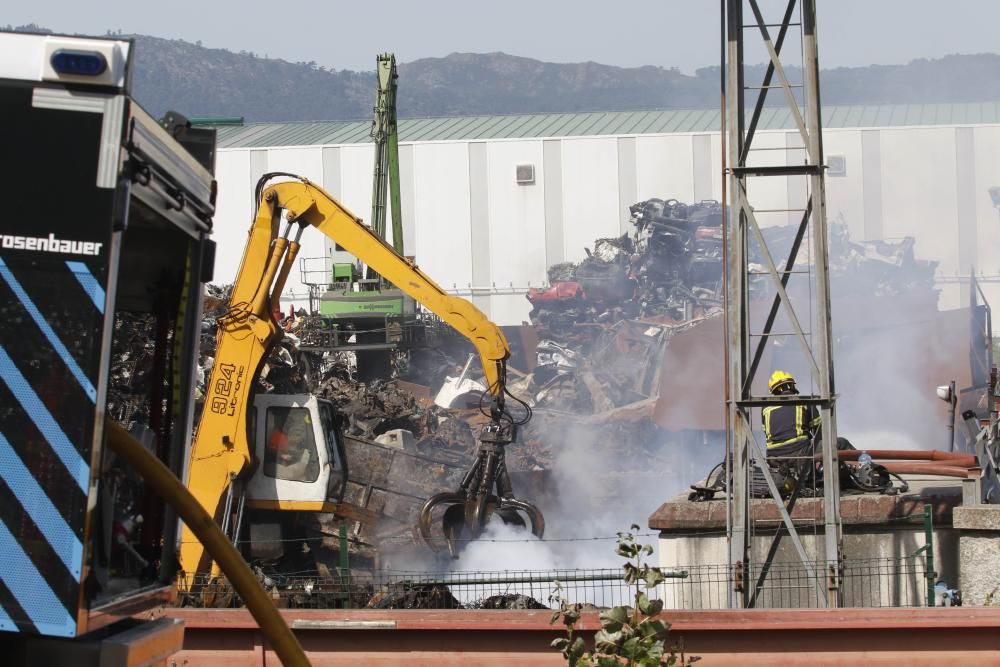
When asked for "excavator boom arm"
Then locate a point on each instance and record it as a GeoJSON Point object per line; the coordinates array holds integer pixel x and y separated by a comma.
{"type": "Point", "coordinates": [307, 203]}
{"type": "Point", "coordinates": [220, 452]}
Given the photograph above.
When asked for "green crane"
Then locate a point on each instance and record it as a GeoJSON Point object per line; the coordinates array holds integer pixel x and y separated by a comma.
{"type": "Point", "coordinates": [365, 313]}
{"type": "Point", "coordinates": [386, 152]}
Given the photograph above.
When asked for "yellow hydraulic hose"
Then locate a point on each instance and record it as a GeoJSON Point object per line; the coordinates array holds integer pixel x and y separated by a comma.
{"type": "Point", "coordinates": [161, 480]}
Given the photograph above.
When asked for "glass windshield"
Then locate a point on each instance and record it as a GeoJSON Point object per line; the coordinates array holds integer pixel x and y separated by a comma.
{"type": "Point", "coordinates": [290, 451]}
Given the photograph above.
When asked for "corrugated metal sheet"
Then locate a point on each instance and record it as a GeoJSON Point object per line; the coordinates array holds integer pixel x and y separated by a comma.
{"type": "Point", "coordinates": [596, 124]}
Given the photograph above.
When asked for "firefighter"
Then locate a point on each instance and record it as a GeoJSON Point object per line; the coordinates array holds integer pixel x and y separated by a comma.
{"type": "Point", "coordinates": [791, 430]}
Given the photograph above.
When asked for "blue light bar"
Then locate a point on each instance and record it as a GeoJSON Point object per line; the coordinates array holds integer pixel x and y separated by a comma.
{"type": "Point", "coordinates": [79, 63]}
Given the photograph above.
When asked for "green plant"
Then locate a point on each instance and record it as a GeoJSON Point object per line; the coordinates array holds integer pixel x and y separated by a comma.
{"type": "Point", "coordinates": [629, 635]}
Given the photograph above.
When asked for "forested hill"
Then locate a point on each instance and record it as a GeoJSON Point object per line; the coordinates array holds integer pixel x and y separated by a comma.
{"type": "Point", "coordinates": [201, 81]}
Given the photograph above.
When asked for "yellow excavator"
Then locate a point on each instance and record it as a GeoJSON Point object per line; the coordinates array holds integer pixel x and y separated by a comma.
{"type": "Point", "coordinates": [264, 455]}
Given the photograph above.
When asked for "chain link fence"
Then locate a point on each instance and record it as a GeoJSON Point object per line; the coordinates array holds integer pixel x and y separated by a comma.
{"type": "Point", "coordinates": [884, 582]}
{"type": "Point", "coordinates": [519, 589]}
{"type": "Point", "coordinates": [875, 582]}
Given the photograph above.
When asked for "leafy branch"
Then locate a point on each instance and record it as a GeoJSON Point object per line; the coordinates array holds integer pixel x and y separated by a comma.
{"type": "Point", "coordinates": [629, 635]}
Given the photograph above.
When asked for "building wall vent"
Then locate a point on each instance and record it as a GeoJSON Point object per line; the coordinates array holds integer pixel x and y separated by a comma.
{"type": "Point", "coordinates": [525, 174]}
{"type": "Point", "coordinates": [836, 165]}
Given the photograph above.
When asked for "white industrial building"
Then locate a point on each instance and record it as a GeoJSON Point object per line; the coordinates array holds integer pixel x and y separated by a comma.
{"type": "Point", "coordinates": [484, 228]}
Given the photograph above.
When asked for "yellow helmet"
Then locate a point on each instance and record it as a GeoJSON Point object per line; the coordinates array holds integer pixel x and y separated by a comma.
{"type": "Point", "coordinates": [779, 378]}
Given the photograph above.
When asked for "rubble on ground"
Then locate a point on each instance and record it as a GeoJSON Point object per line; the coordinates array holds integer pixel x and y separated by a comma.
{"type": "Point", "coordinates": [406, 595]}
{"type": "Point", "coordinates": [369, 410]}
{"type": "Point", "coordinates": [507, 601]}
{"type": "Point", "coordinates": [358, 591]}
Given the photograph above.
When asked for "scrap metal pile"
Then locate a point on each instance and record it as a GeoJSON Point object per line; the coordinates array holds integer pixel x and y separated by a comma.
{"type": "Point", "coordinates": [669, 269]}
{"type": "Point", "coordinates": [603, 322]}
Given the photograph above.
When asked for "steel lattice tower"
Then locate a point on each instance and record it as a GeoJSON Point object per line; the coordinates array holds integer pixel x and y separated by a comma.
{"type": "Point", "coordinates": [754, 330]}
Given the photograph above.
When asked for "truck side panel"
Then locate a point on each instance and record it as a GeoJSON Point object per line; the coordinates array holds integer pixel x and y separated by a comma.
{"type": "Point", "coordinates": [55, 245]}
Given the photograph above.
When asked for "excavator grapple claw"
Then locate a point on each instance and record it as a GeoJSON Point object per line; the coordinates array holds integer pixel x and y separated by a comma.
{"type": "Point", "coordinates": [468, 510]}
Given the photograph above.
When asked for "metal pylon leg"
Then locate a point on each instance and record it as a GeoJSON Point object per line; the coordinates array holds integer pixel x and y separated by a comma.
{"type": "Point", "coordinates": [746, 241]}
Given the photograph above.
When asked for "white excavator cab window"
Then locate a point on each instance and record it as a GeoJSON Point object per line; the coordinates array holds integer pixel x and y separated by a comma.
{"type": "Point", "coordinates": [290, 451]}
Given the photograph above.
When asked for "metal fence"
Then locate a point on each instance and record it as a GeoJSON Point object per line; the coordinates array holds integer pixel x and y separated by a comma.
{"type": "Point", "coordinates": [876, 582]}
{"type": "Point", "coordinates": [886, 582]}
{"type": "Point", "coordinates": [512, 589]}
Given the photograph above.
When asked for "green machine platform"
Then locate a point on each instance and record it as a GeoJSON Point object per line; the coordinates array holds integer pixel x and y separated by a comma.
{"type": "Point", "coordinates": [349, 305]}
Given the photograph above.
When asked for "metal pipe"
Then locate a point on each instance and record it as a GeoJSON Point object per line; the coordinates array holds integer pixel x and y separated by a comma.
{"type": "Point", "coordinates": [727, 468]}
{"type": "Point", "coordinates": [465, 369]}
{"type": "Point", "coordinates": [344, 559]}
{"type": "Point", "coordinates": [287, 263]}
{"type": "Point", "coordinates": [227, 512]}
{"type": "Point", "coordinates": [929, 546]}
{"type": "Point", "coordinates": [952, 458]}
{"type": "Point", "coordinates": [239, 516]}
{"type": "Point", "coordinates": [833, 532]}
{"type": "Point", "coordinates": [952, 401]}
{"type": "Point", "coordinates": [935, 469]}
{"type": "Point", "coordinates": [735, 262]}
{"type": "Point", "coordinates": [162, 481]}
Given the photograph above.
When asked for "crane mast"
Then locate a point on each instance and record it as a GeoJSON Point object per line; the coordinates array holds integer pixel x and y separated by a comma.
{"type": "Point", "coordinates": [386, 181]}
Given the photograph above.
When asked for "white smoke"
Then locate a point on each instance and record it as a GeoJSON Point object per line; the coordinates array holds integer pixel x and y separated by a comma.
{"type": "Point", "coordinates": [505, 547]}
{"type": "Point", "coordinates": [505, 553]}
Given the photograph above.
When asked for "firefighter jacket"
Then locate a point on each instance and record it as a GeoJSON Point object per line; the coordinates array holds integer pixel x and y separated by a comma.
{"type": "Point", "coordinates": [789, 424]}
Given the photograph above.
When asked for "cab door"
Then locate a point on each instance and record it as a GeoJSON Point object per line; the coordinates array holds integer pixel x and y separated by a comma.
{"type": "Point", "coordinates": [336, 452]}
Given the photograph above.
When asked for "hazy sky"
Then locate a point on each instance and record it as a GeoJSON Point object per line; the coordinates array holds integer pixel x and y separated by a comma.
{"type": "Point", "coordinates": [667, 33]}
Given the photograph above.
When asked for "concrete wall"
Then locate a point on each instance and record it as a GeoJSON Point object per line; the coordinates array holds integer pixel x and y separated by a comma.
{"type": "Point", "coordinates": [979, 558]}
{"type": "Point", "coordinates": [479, 233]}
{"type": "Point", "coordinates": [877, 573]}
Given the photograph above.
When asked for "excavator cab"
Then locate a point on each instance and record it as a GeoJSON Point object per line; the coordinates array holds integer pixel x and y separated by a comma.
{"type": "Point", "coordinates": [301, 462]}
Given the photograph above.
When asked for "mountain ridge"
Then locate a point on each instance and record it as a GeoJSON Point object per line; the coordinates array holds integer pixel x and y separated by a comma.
{"type": "Point", "coordinates": [173, 74]}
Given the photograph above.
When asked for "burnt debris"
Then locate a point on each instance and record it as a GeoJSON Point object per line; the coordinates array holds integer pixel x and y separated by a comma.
{"type": "Point", "coordinates": [603, 322]}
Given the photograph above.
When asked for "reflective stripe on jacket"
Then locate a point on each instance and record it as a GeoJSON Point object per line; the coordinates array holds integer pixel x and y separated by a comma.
{"type": "Point", "coordinates": [789, 424]}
